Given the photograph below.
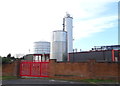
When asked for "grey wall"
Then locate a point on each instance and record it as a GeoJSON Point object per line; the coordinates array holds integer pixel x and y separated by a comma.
{"type": "Point", "coordinates": [97, 55]}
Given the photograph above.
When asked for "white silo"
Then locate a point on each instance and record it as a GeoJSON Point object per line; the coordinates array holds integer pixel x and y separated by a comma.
{"type": "Point", "coordinates": [68, 26]}
{"type": "Point", "coordinates": [41, 47]}
{"type": "Point", "coordinates": [59, 45]}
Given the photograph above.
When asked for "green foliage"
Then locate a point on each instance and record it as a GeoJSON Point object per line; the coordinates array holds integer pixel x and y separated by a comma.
{"type": "Point", "coordinates": [9, 59]}
{"type": "Point", "coordinates": [6, 60]}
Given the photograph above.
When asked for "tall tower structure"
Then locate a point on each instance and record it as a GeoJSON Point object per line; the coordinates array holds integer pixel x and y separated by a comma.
{"type": "Point", "coordinates": [68, 26]}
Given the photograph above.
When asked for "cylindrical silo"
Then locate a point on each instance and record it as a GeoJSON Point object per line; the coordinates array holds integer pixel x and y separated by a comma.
{"type": "Point", "coordinates": [42, 47]}
{"type": "Point", "coordinates": [68, 20]}
{"type": "Point", "coordinates": [59, 45]}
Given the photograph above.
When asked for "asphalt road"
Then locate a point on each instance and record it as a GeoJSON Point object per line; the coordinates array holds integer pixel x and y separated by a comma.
{"type": "Point", "coordinates": [47, 82]}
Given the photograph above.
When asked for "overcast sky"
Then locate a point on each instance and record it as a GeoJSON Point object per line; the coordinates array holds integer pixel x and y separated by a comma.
{"type": "Point", "coordinates": [23, 22]}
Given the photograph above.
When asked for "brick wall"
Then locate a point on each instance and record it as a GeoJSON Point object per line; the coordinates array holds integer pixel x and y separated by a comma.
{"type": "Point", "coordinates": [73, 70]}
{"type": "Point", "coordinates": [11, 69]}
{"type": "Point", "coordinates": [84, 70]}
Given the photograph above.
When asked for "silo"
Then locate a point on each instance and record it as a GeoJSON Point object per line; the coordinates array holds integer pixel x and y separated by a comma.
{"type": "Point", "coordinates": [42, 47]}
{"type": "Point", "coordinates": [68, 22]}
{"type": "Point", "coordinates": [59, 45]}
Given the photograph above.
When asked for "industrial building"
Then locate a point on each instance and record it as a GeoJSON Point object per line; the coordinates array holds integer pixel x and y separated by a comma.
{"type": "Point", "coordinates": [61, 48]}
{"type": "Point", "coordinates": [60, 60]}
{"type": "Point", "coordinates": [101, 55]}
{"type": "Point", "coordinates": [98, 55]}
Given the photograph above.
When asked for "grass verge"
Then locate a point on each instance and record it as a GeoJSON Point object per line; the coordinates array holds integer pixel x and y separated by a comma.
{"type": "Point", "coordinates": [8, 77]}
{"type": "Point", "coordinates": [97, 80]}
{"type": "Point", "coordinates": [89, 80]}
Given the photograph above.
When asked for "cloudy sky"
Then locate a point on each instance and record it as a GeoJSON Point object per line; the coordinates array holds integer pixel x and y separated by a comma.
{"type": "Point", "coordinates": [23, 22]}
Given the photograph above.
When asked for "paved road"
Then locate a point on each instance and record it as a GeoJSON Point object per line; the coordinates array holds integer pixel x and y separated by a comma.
{"type": "Point", "coordinates": [40, 82]}
{"type": "Point", "coordinates": [47, 82]}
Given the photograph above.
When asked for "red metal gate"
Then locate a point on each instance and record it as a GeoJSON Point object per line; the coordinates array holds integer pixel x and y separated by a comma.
{"type": "Point", "coordinates": [34, 69]}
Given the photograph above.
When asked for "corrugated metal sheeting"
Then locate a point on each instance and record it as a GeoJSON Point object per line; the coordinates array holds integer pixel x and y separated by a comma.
{"type": "Point", "coordinates": [97, 55]}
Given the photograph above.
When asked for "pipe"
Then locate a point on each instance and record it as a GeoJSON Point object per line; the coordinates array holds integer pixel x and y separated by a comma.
{"type": "Point", "coordinates": [113, 56]}
{"type": "Point", "coordinates": [63, 24]}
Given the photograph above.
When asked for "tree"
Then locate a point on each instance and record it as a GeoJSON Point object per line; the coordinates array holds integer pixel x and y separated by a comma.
{"type": "Point", "coordinates": [6, 60]}
{"type": "Point", "coordinates": [9, 55]}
